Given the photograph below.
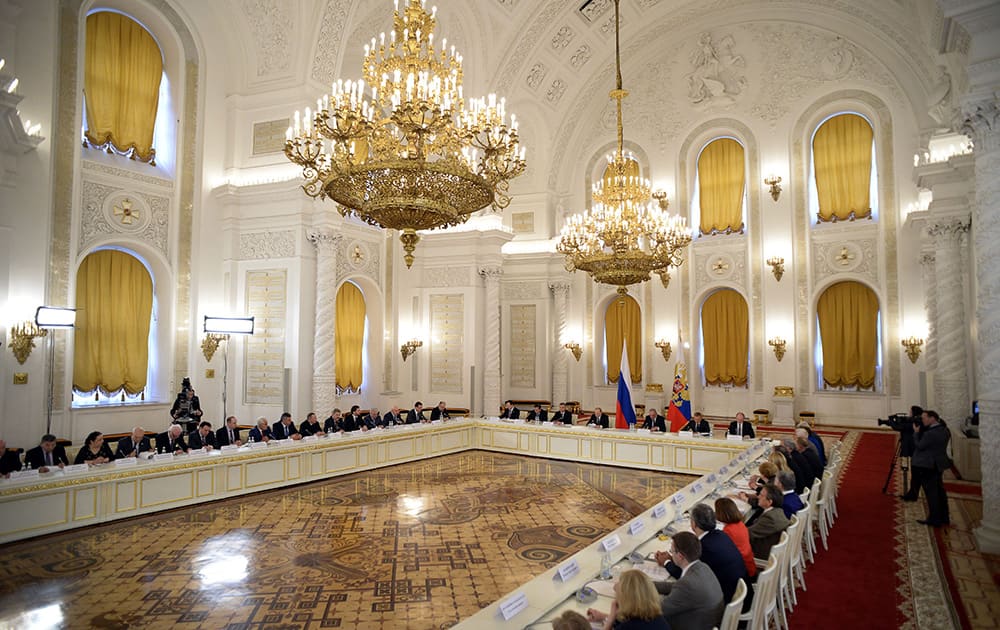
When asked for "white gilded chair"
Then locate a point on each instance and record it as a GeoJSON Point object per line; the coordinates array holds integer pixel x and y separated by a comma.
{"type": "Point", "coordinates": [765, 599]}
{"type": "Point", "coordinates": [808, 537]}
{"type": "Point", "coordinates": [731, 617]}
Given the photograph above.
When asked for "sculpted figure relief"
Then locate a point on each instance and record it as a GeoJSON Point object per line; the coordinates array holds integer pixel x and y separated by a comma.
{"type": "Point", "coordinates": [718, 76]}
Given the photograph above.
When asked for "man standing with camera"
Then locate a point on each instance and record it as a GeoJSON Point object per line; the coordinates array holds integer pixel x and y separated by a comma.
{"type": "Point", "coordinates": [930, 460]}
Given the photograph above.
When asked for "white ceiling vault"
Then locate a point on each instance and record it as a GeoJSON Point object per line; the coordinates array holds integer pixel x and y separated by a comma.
{"type": "Point", "coordinates": [684, 61]}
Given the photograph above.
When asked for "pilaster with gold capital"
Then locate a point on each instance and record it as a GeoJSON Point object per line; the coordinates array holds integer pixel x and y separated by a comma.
{"type": "Point", "coordinates": [324, 389]}
{"type": "Point", "coordinates": [491, 339]}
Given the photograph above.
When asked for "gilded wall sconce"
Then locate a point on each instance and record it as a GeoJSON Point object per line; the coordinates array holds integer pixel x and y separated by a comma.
{"type": "Point", "coordinates": [913, 346]}
{"type": "Point", "coordinates": [575, 349]}
{"type": "Point", "coordinates": [22, 339]}
{"type": "Point", "coordinates": [778, 345]}
{"type": "Point", "coordinates": [777, 265]}
{"type": "Point", "coordinates": [664, 347]}
{"type": "Point", "coordinates": [211, 343]}
{"type": "Point", "coordinates": [774, 182]}
{"type": "Point", "coordinates": [409, 348]}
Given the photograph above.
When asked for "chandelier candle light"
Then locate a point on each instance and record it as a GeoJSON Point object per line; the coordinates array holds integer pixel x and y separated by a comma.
{"type": "Point", "coordinates": [624, 237]}
{"type": "Point", "coordinates": [399, 148]}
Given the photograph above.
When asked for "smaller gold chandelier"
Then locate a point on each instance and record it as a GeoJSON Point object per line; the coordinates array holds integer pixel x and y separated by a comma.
{"type": "Point", "coordinates": [624, 237]}
{"type": "Point", "coordinates": [409, 348]}
{"type": "Point", "coordinates": [22, 339]}
{"type": "Point", "coordinates": [399, 149]}
{"type": "Point", "coordinates": [210, 344]}
{"type": "Point", "coordinates": [913, 346]}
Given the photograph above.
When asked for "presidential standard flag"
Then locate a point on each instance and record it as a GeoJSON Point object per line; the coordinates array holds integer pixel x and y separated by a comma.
{"type": "Point", "coordinates": [679, 411]}
{"type": "Point", "coordinates": [624, 410]}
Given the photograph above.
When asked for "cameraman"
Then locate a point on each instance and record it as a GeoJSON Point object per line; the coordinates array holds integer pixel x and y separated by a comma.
{"type": "Point", "coordinates": [930, 460]}
{"type": "Point", "coordinates": [907, 444]}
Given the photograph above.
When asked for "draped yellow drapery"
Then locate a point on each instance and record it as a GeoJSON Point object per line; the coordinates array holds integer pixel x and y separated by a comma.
{"type": "Point", "coordinates": [848, 326]}
{"type": "Point", "coordinates": [114, 301]}
{"type": "Point", "coordinates": [721, 180]}
{"type": "Point", "coordinates": [842, 156]}
{"type": "Point", "coordinates": [121, 84]}
{"type": "Point", "coordinates": [725, 334]}
{"type": "Point", "coordinates": [350, 336]}
{"type": "Point", "coordinates": [623, 322]}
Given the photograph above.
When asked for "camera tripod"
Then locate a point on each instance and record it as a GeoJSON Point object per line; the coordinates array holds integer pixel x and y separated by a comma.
{"type": "Point", "coordinates": [904, 465]}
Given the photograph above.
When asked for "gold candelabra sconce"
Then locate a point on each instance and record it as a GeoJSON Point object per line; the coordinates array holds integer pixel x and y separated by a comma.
{"type": "Point", "coordinates": [22, 339]}
{"type": "Point", "coordinates": [211, 343]}
{"type": "Point", "coordinates": [665, 348]}
{"type": "Point", "coordinates": [661, 198]}
{"type": "Point", "coordinates": [913, 346]}
{"type": "Point", "coordinates": [575, 349]}
{"type": "Point", "coordinates": [774, 181]}
{"type": "Point", "coordinates": [777, 265]}
{"type": "Point", "coordinates": [409, 348]}
{"type": "Point", "coordinates": [778, 345]}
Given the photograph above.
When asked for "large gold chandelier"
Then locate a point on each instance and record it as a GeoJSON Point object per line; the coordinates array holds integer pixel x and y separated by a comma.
{"type": "Point", "coordinates": [399, 148]}
{"type": "Point", "coordinates": [624, 237]}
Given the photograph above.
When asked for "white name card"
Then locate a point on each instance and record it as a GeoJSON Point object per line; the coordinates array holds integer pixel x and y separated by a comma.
{"type": "Point", "coordinates": [611, 542]}
{"type": "Point", "coordinates": [643, 431]}
{"type": "Point", "coordinates": [229, 448]}
{"type": "Point", "coordinates": [126, 461]}
{"type": "Point", "coordinates": [31, 473]}
{"type": "Point", "coordinates": [568, 570]}
{"type": "Point", "coordinates": [198, 453]}
{"type": "Point", "coordinates": [734, 438]}
{"type": "Point", "coordinates": [724, 470]}
{"type": "Point", "coordinates": [258, 444]}
{"type": "Point", "coordinates": [660, 511]}
{"type": "Point", "coordinates": [159, 457]}
{"type": "Point", "coordinates": [697, 488]}
{"type": "Point", "coordinates": [635, 527]}
{"type": "Point", "coordinates": [310, 438]}
{"type": "Point", "coordinates": [437, 421]}
{"type": "Point", "coordinates": [677, 499]}
{"type": "Point", "coordinates": [75, 469]}
{"type": "Point", "coordinates": [712, 478]}
{"type": "Point", "coordinates": [513, 605]}
{"type": "Point", "coordinates": [548, 423]}
{"type": "Point", "coordinates": [285, 442]}
{"type": "Point", "coordinates": [517, 421]}
{"type": "Point", "coordinates": [685, 433]}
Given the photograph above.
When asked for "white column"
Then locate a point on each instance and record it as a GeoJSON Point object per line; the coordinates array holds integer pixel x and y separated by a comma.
{"type": "Point", "coordinates": [983, 125]}
{"type": "Point", "coordinates": [560, 366]}
{"type": "Point", "coordinates": [324, 389]}
{"type": "Point", "coordinates": [930, 306]}
{"type": "Point", "coordinates": [951, 378]}
{"type": "Point", "coordinates": [491, 340]}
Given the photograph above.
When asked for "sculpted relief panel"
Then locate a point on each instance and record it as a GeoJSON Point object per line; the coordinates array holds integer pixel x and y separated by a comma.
{"type": "Point", "coordinates": [271, 23]}
{"type": "Point", "coordinates": [109, 210]}
{"type": "Point", "coordinates": [858, 257]}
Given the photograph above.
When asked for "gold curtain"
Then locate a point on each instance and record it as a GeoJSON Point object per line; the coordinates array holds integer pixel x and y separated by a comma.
{"type": "Point", "coordinates": [121, 84]}
{"type": "Point", "coordinates": [350, 336]}
{"type": "Point", "coordinates": [623, 322]}
{"type": "Point", "coordinates": [842, 156]}
{"type": "Point", "coordinates": [848, 325]}
{"type": "Point", "coordinates": [114, 301]}
{"type": "Point", "coordinates": [725, 333]}
{"type": "Point", "coordinates": [721, 180]}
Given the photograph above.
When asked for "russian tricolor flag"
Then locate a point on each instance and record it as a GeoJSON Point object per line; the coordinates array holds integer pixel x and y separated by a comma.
{"type": "Point", "coordinates": [624, 410]}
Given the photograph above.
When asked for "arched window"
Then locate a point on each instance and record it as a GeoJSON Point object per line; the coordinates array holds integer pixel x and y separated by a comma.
{"type": "Point", "coordinates": [844, 182]}
{"type": "Point", "coordinates": [725, 335]}
{"type": "Point", "coordinates": [114, 301]}
{"type": "Point", "coordinates": [122, 74]}
{"type": "Point", "coordinates": [623, 324]}
{"type": "Point", "coordinates": [720, 187]}
{"type": "Point", "coordinates": [351, 329]}
{"type": "Point", "coordinates": [847, 315]}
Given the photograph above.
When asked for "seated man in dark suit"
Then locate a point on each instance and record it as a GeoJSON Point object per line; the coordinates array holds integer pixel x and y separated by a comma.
{"type": "Point", "coordinates": [228, 434]}
{"type": "Point", "coordinates": [766, 530]}
{"type": "Point", "coordinates": [718, 551]}
{"type": "Point", "coordinates": [284, 429]}
{"type": "Point", "coordinates": [261, 432]}
{"type": "Point", "coordinates": [10, 461]}
{"type": "Point", "coordinates": [310, 426]}
{"type": "Point", "coordinates": [392, 417]}
{"type": "Point", "coordinates": [415, 415]}
{"type": "Point", "coordinates": [810, 455]}
{"type": "Point", "coordinates": [333, 423]}
{"type": "Point", "coordinates": [371, 420]}
{"type": "Point", "coordinates": [350, 421]}
{"type": "Point", "coordinates": [562, 416]}
{"type": "Point", "coordinates": [133, 445]}
{"type": "Point", "coordinates": [171, 440]}
{"type": "Point", "coordinates": [48, 454]}
{"type": "Point", "coordinates": [202, 437]}
{"type": "Point", "coordinates": [694, 601]}
{"type": "Point", "coordinates": [790, 502]}
{"type": "Point", "coordinates": [654, 421]}
{"type": "Point", "coordinates": [698, 424]}
{"type": "Point", "coordinates": [537, 414]}
{"type": "Point", "coordinates": [510, 412]}
{"type": "Point", "coordinates": [741, 426]}
{"type": "Point", "coordinates": [799, 464]}
{"type": "Point", "coordinates": [440, 412]}
{"type": "Point", "coordinates": [599, 418]}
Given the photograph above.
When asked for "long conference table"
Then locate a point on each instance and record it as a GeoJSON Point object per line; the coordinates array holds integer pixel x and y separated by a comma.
{"type": "Point", "coordinates": [37, 504]}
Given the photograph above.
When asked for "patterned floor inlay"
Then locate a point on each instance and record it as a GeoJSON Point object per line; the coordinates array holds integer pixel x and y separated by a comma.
{"type": "Point", "coordinates": [420, 545]}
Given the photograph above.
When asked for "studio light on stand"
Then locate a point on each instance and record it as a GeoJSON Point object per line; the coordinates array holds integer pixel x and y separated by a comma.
{"type": "Point", "coordinates": [53, 317]}
{"type": "Point", "coordinates": [218, 329]}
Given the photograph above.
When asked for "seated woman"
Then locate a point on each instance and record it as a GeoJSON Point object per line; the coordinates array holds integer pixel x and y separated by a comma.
{"type": "Point", "coordinates": [729, 515]}
{"type": "Point", "coordinates": [636, 605]}
{"type": "Point", "coordinates": [94, 451]}
{"type": "Point", "coordinates": [767, 473]}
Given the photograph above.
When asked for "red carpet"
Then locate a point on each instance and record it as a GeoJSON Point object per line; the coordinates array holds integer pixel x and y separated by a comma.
{"type": "Point", "coordinates": [854, 584]}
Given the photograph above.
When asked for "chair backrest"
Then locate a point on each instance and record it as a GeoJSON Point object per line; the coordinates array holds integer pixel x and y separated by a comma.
{"type": "Point", "coordinates": [765, 594]}
{"type": "Point", "coordinates": [793, 537]}
{"type": "Point", "coordinates": [731, 617]}
{"type": "Point", "coordinates": [795, 532]}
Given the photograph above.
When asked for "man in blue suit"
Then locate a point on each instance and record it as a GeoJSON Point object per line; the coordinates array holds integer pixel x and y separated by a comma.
{"type": "Point", "coordinates": [791, 502]}
{"type": "Point", "coordinates": [718, 551]}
